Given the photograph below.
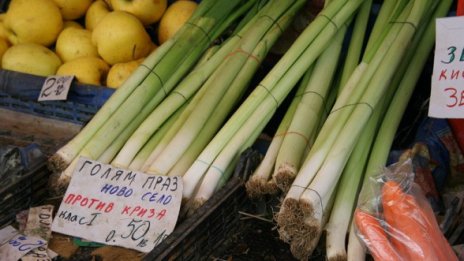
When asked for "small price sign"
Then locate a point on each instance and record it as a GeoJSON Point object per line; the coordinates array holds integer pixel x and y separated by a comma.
{"type": "Point", "coordinates": [55, 88]}
{"type": "Point", "coordinates": [447, 94]}
{"type": "Point", "coordinates": [120, 207]}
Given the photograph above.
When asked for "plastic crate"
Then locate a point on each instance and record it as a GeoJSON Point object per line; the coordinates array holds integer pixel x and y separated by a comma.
{"type": "Point", "coordinates": [196, 237]}
{"type": "Point", "coordinates": [20, 91]}
{"type": "Point", "coordinates": [25, 190]}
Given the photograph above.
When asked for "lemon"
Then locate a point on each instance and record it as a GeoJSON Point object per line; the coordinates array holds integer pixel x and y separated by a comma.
{"type": "Point", "coordinates": [31, 58]}
{"type": "Point", "coordinates": [120, 37]}
{"type": "Point", "coordinates": [33, 21]}
{"type": "Point", "coordinates": [120, 72]}
{"type": "Point", "coordinates": [175, 16]}
{"type": "Point", "coordinates": [73, 43]}
{"type": "Point", "coordinates": [89, 70]}
{"type": "Point", "coordinates": [95, 13]}
{"type": "Point", "coordinates": [73, 9]}
{"type": "Point", "coordinates": [147, 11]}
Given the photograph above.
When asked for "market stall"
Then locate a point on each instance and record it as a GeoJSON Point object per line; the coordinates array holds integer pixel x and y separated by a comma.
{"type": "Point", "coordinates": [171, 130]}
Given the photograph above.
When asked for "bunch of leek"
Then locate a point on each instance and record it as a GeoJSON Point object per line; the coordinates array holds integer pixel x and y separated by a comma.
{"type": "Point", "coordinates": [406, 79]}
{"type": "Point", "coordinates": [214, 163]}
{"type": "Point", "coordinates": [308, 202]}
{"type": "Point", "coordinates": [148, 85]}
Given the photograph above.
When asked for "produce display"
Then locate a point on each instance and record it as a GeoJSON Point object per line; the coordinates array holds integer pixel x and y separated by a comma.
{"type": "Point", "coordinates": [116, 34]}
{"type": "Point", "coordinates": [189, 102]}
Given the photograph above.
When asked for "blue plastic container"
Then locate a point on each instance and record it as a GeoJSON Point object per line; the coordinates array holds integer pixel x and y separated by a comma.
{"type": "Point", "coordinates": [20, 91]}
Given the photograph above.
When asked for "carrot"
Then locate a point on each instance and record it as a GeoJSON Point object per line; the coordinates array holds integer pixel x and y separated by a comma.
{"type": "Point", "coordinates": [414, 230]}
{"type": "Point", "coordinates": [398, 240]}
{"type": "Point", "coordinates": [440, 243]}
{"type": "Point", "coordinates": [375, 237]}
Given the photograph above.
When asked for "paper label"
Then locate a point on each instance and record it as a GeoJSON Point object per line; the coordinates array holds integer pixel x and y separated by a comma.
{"type": "Point", "coordinates": [447, 90]}
{"type": "Point", "coordinates": [41, 253]}
{"type": "Point", "coordinates": [55, 88]}
{"type": "Point", "coordinates": [7, 233]}
{"type": "Point", "coordinates": [39, 223]}
{"type": "Point", "coordinates": [119, 207]}
{"type": "Point", "coordinates": [19, 246]}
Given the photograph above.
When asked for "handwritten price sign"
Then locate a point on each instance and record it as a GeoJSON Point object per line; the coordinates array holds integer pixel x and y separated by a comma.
{"type": "Point", "coordinates": [55, 88]}
{"type": "Point", "coordinates": [119, 207]}
{"type": "Point", "coordinates": [447, 95]}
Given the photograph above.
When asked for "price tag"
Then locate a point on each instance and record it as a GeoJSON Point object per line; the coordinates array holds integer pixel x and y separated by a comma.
{"type": "Point", "coordinates": [119, 207]}
{"type": "Point", "coordinates": [447, 94]}
{"type": "Point", "coordinates": [55, 88]}
{"type": "Point", "coordinates": [19, 246]}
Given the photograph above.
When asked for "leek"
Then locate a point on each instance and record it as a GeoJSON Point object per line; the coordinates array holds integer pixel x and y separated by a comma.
{"type": "Point", "coordinates": [155, 139]}
{"type": "Point", "coordinates": [184, 91]}
{"type": "Point", "coordinates": [315, 198]}
{"type": "Point", "coordinates": [260, 182]}
{"type": "Point", "coordinates": [391, 121]}
{"type": "Point", "coordinates": [227, 77]}
{"type": "Point", "coordinates": [299, 57]}
{"type": "Point", "coordinates": [334, 123]}
{"type": "Point", "coordinates": [144, 91]}
{"type": "Point", "coordinates": [304, 126]}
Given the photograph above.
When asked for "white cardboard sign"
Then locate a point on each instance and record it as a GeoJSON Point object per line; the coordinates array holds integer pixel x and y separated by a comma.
{"type": "Point", "coordinates": [119, 207]}
{"type": "Point", "coordinates": [447, 94]}
{"type": "Point", "coordinates": [55, 88]}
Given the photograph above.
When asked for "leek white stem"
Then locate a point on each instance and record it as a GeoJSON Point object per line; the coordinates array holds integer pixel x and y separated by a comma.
{"type": "Point", "coordinates": [356, 249]}
{"type": "Point", "coordinates": [243, 139]}
{"type": "Point", "coordinates": [154, 140]}
{"type": "Point", "coordinates": [304, 126]}
{"type": "Point", "coordinates": [260, 182]}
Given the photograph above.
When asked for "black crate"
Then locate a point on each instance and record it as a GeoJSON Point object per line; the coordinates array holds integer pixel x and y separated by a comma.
{"type": "Point", "coordinates": [22, 192]}
{"type": "Point", "coordinates": [198, 236]}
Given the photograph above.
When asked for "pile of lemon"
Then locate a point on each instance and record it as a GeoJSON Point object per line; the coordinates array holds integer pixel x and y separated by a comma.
{"type": "Point", "coordinates": [100, 42]}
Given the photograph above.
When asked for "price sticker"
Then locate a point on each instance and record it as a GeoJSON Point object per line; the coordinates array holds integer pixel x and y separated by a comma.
{"type": "Point", "coordinates": [55, 88]}
{"type": "Point", "coordinates": [447, 93]}
{"type": "Point", "coordinates": [120, 207]}
{"type": "Point", "coordinates": [19, 246]}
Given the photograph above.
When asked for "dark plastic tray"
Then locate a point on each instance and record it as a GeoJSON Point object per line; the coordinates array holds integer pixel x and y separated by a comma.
{"type": "Point", "coordinates": [196, 237]}
{"type": "Point", "coordinates": [22, 192]}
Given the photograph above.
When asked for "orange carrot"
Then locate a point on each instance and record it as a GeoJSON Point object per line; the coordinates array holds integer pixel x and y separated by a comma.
{"type": "Point", "coordinates": [375, 237]}
{"type": "Point", "coordinates": [414, 230]}
{"type": "Point", "coordinates": [440, 243]}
